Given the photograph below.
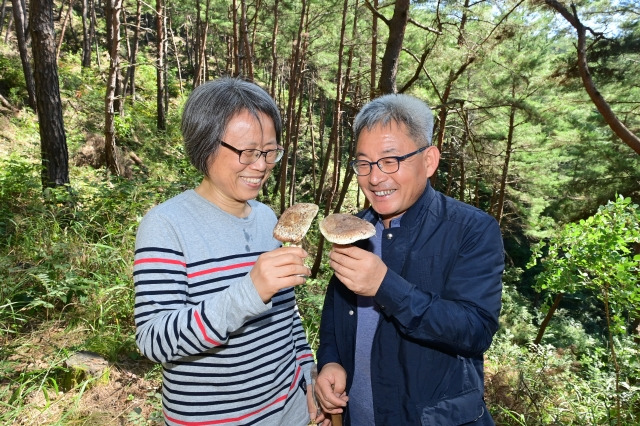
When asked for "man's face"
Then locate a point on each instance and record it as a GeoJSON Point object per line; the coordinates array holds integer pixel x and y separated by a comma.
{"type": "Point", "coordinates": [392, 194]}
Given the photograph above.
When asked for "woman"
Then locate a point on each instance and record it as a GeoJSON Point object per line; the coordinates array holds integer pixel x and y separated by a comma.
{"type": "Point", "coordinates": [215, 302]}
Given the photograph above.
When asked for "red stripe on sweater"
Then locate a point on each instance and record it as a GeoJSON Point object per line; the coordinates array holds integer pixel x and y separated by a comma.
{"type": "Point", "coordinates": [234, 419]}
{"type": "Point", "coordinates": [196, 314]}
{"type": "Point", "coordinates": [221, 268]}
{"type": "Point", "coordinates": [159, 260]}
{"type": "Point", "coordinates": [223, 421]}
{"type": "Point", "coordinates": [295, 378]}
{"type": "Point", "coordinates": [303, 356]}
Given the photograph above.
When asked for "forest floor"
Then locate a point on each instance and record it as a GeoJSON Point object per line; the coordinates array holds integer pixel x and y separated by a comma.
{"type": "Point", "coordinates": [129, 393]}
{"type": "Point", "coordinates": [32, 364]}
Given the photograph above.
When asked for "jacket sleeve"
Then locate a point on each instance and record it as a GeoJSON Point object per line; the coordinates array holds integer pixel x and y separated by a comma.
{"type": "Point", "coordinates": [462, 315]}
{"type": "Point", "coordinates": [168, 325]}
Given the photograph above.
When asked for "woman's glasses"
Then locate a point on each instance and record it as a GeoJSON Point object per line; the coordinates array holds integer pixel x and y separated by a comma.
{"type": "Point", "coordinates": [250, 156]}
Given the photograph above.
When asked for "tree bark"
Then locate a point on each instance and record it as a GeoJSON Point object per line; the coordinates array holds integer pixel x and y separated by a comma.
{"type": "Point", "coordinates": [236, 38]}
{"type": "Point", "coordinates": [64, 28]}
{"type": "Point", "coordinates": [19, 18]}
{"type": "Point", "coordinates": [374, 52]}
{"type": "Point", "coordinates": [397, 26]}
{"type": "Point", "coordinates": [6, 35]}
{"type": "Point", "coordinates": [547, 318]}
{"type": "Point", "coordinates": [598, 100]}
{"type": "Point", "coordinates": [274, 51]}
{"type": "Point", "coordinates": [92, 30]}
{"type": "Point", "coordinates": [3, 12]}
{"type": "Point", "coordinates": [112, 8]}
{"type": "Point", "coordinates": [130, 79]}
{"type": "Point", "coordinates": [53, 142]}
{"type": "Point", "coordinates": [175, 53]}
{"type": "Point", "coordinates": [246, 56]}
{"type": "Point", "coordinates": [202, 28]}
{"type": "Point", "coordinates": [86, 35]}
{"type": "Point", "coordinates": [160, 73]}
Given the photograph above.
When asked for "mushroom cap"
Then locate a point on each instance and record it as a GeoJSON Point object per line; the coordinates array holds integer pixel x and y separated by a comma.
{"type": "Point", "coordinates": [342, 228]}
{"type": "Point", "coordinates": [295, 222]}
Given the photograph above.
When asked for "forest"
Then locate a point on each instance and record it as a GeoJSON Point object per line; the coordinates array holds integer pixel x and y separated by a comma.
{"type": "Point", "coordinates": [537, 106]}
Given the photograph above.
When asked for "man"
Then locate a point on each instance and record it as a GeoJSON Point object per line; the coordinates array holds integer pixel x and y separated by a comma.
{"type": "Point", "coordinates": [409, 313]}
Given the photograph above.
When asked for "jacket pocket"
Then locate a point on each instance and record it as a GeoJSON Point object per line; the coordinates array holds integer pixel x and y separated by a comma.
{"type": "Point", "coordinates": [464, 408]}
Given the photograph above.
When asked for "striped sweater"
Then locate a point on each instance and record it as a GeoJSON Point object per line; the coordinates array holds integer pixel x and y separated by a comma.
{"type": "Point", "coordinates": [227, 357]}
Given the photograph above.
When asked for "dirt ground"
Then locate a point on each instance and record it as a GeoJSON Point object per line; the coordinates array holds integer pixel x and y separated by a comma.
{"type": "Point", "coordinates": [127, 394]}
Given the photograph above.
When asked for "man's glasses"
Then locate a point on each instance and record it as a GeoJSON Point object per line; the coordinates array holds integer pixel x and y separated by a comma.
{"type": "Point", "coordinates": [250, 156]}
{"type": "Point", "coordinates": [386, 165]}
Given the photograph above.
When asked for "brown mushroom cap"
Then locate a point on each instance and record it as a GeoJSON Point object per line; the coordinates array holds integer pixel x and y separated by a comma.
{"type": "Point", "coordinates": [341, 228]}
{"type": "Point", "coordinates": [295, 222]}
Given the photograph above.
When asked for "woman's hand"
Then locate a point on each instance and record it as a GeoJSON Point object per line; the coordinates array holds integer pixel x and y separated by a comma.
{"type": "Point", "coordinates": [277, 269]}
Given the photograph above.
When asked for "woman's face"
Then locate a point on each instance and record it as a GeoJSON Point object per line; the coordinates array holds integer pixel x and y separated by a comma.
{"type": "Point", "coordinates": [230, 184]}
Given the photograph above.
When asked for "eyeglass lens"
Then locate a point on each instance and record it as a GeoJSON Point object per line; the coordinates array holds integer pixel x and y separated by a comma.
{"type": "Point", "coordinates": [250, 156]}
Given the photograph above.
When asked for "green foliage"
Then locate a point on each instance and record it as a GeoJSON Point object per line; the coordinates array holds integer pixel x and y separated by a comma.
{"type": "Point", "coordinates": [596, 254]}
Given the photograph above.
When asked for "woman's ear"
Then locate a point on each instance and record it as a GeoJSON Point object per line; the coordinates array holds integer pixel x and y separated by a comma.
{"type": "Point", "coordinates": [432, 159]}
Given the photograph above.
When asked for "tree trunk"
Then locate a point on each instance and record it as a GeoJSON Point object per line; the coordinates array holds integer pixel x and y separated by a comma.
{"type": "Point", "coordinates": [247, 57]}
{"type": "Point", "coordinates": [374, 53]}
{"type": "Point", "coordinates": [196, 46]}
{"type": "Point", "coordinates": [294, 79]}
{"type": "Point", "coordinates": [6, 35]}
{"type": "Point", "coordinates": [112, 8]}
{"type": "Point", "coordinates": [19, 17]}
{"type": "Point", "coordinates": [130, 79]}
{"type": "Point", "coordinates": [274, 51]}
{"type": "Point", "coordinates": [507, 158]}
{"type": "Point", "coordinates": [53, 142]}
{"type": "Point", "coordinates": [176, 53]}
{"type": "Point", "coordinates": [598, 100]}
{"type": "Point", "coordinates": [92, 30]}
{"type": "Point", "coordinates": [547, 318]}
{"type": "Point", "coordinates": [86, 35]}
{"type": "Point", "coordinates": [160, 74]}
{"type": "Point", "coordinates": [202, 28]}
{"type": "Point", "coordinates": [236, 38]}
{"type": "Point", "coordinates": [332, 145]}
{"type": "Point", "coordinates": [397, 26]}
{"type": "Point", "coordinates": [64, 28]}
{"type": "Point", "coordinates": [3, 12]}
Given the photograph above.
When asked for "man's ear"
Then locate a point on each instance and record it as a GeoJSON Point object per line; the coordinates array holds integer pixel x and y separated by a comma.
{"type": "Point", "coordinates": [433, 159]}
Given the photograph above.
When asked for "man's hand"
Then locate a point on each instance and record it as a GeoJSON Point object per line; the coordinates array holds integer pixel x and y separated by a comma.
{"type": "Point", "coordinates": [361, 271]}
{"type": "Point", "coordinates": [330, 388]}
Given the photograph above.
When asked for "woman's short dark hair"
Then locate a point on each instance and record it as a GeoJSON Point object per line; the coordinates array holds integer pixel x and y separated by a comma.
{"type": "Point", "coordinates": [402, 109]}
{"type": "Point", "coordinates": [209, 109]}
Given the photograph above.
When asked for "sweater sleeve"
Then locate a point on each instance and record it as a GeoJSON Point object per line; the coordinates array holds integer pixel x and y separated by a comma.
{"type": "Point", "coordinates": [169, 326]}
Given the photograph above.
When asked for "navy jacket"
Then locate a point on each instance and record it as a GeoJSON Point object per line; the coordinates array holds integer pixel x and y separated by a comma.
{"type": "Point", "coordinates": [439, 303]}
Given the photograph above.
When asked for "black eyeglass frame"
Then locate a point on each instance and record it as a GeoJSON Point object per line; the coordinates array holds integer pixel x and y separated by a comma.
{"type": "Point", "coordinates": [280, 150]}
{"type": "Point", "coordinates": [354, 163]}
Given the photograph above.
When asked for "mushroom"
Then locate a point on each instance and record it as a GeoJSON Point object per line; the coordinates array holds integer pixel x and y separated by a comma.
{"type": "Point", "coordinates": [342, 228]}
{"type": "Point", "coordinates": [294, 223]}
